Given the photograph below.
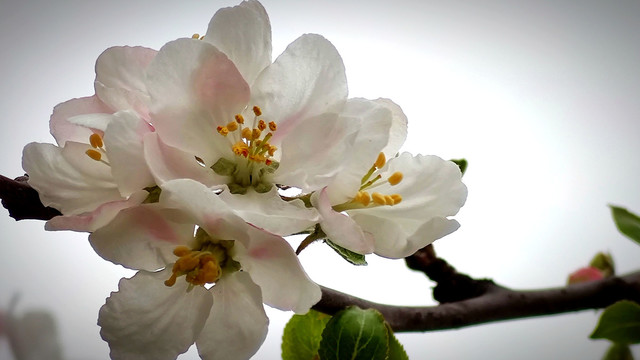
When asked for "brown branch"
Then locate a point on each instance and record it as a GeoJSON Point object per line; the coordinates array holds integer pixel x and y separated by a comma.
{"type": "Point", "coordinates": [465, 301]}
{"type": "Point", "coordinates": [495, 305]}
{"type": "Point", "coordinates": [22, 200]}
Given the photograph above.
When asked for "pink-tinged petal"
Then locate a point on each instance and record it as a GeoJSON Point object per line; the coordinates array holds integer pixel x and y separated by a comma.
{"type": "Point", "coordinates": [123, 141]}
{"type": "Point", "coordinates": [67, 179]}
{"type": "Point", "coordinates": [268, 211]}
{"type": "Point", "coordinates": [393, 240]}
{"type": "Point", "coordinates": [237, 324]}
{"type": "Point", "coordinates": [194, 89]}
{"type": "Point", "coordinates": [32, 336]}
{"type": "Point", "coordinates": [398, 131]}
{"type": "Point", "coordinates": [372, 137]}
{"type": "Point", "coordinates": [307, 80]}
{"type": "Point", "coordinates": [204, 208]}
{"type": "Point", "coordinates": [315, 152]}
{"type": "Point", "coordinates": [96, 121]}
{"type": "Point", "coordinates": [274, 266]}
{"type": "Point", "coordinates": [340, 228]}
{"type": "Point", "coordinates": [59, 125]}
{"type": "Point", "coordinates": [120, 73]}
{"type": "Point", "coordinates": [96, 219]}
{"type": "Point", "coordinates": [147, 320]}
{"type": "Point", "coordinates": [142, 237]}
{"type": "Point", "coordinates": [168, 163]}
{"type": "Point", "coordinates": [243, 33]}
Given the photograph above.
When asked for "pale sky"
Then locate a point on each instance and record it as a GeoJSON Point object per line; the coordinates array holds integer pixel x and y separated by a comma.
{"type": "Point", "coordinates": [539, 96]}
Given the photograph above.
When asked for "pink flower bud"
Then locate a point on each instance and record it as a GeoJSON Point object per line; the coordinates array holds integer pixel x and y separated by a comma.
{"type": "Point", "coordinates": [585, 274]}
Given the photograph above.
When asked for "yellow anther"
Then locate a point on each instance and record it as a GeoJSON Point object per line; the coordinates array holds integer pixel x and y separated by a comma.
{"type": "Point", "coordinates": [380, 161]}
{"type": "Point", "coordinates": [240, 148]}
{"type": "Point", "coordinates": [257, 111]}
{"type": "Point", "coordinates": [272, 150]}
{"type": "Point", "coordinates": [95, 155]}
{"type": "Point", "coordinates": [181, 251]}
{"type": "Point", "coordinates": [232, 126]}
{"type": "Point", "coordinates": [255, 134]}
{"type": "Point", "coordinates": [195, 36]}
{"type": "Point", "coordinates": [262, 125]}
{"type": "Point", "coordinates": [273, 126]}
{"type": "Point", "coordinates": [239, 119]}
{"type": "Point", "coordinates": [246, 133]}
{"type": "Point", "coordinates": [222, 130]}
{"type": "Point", "coordinates": [397, 198]}
{"type": "Point", "coordinates": [378, 198]}
{"type": "Point", "coordinates": [388, 199]}
{"type": "Point", "coordinates": [96, 140]}
{"type": "Point", "coordinates": [395, 178]}
{"type": "Point", "coordinates": [362, 197]}
{"type": "Point", "coordinates": [171, 281]}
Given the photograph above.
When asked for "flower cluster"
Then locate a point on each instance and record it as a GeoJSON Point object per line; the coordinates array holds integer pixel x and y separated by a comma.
{"type": "Point", "coordinates": [192, 163]}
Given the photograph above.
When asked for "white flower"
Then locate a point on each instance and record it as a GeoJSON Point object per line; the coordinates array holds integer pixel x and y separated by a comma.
{"type": "Point", "coordinates": [98, 166]}
{"type": "Point", "coordinates": [159, 314]}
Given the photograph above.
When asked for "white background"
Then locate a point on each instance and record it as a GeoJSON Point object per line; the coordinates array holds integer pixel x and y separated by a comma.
{"type": "Point", "coordinates": [541, 98]}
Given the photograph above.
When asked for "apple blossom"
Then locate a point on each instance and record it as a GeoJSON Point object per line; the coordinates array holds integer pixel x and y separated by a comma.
{"type": "Point", "coordinates": [206, 288]}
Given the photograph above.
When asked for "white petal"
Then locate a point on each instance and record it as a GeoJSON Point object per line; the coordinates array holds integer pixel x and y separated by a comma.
{"type": "Point", "coordinates": [120, 73]}
{"type": "Point", "coordinates": [315, 152]}
{"type": "Point", "coordinates": [274, 266]}
{"type": "Point", "coordinates": [141, 237]}
{"type": "Point", "coordinates": [168, 163]}
{"type": "Point", "coordinates": [63, 130]}
{"type": "Point", "coordinates": [237, 324]}
{"type": "Point", "coordinates": [204, 208]}
{"type": "Point", "coordinates": [96, 219]}
{"type": "Point", "coordinates": [307, 80]}
{"type": "Point", "coordinates": [398, 131]}
{"type": "Point", "coordinates": [67, 179]}
{"type": "Point", "coordinates": [194, 89]}
{"type": "Point", "coordinates": [340, 228]}
{"type": "Point", "coordinates": [147, 320]}
{"type": "Point", "coordinates": [123, 141]}
{"type": "Point", "coordinates": [268, 211]}
{"type": "Point", "coordinates": [243, 33]}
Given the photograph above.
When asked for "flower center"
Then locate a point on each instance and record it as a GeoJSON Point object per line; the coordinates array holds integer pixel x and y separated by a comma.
{"type": "Point", "coordinates": [253, 153]}
{"type": "Point", "coordinates": [371, 180]}
{"type": "Point", "coordinates": [203, 264]}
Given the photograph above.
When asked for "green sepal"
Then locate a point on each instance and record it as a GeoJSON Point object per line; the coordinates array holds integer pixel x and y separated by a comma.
{"type": "Point", "coordinates": [462, 164]}
{"type": "Point", "coordinates": [154, 195]}
{"type": "Point", "coordinates": [618, 352]}
{"type": "Point", "coordinates": [355, 334]}
{"type": "Point", "coordinates": [619, 323]}
{"type": "Point", "coordinates": [604, 262]}
{"type": "Point", "coordinates": [350, 256]}
{"type": "Point", "coordinates": [302, 335]}
{"type": "Point", "coordinates": [263, 188]}
{"type": "Point", "coordinates": [224, 167]}
{"type": "Point", "coordinates": [627, 222]}
{"type": "Point", "coordinates": [237, 189]}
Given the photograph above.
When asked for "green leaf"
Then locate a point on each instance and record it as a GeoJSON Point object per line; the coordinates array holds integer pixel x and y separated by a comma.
{"type": "Point", "coordinates": [619, 323]}
{"type": "Point", "coordinates": [627, 222]}
{"type": "Point", "coordinates": [355, 334]}
{"type": "Point", "coordinates": [350, 256]}
{"type": "Point", "coordinates": [462, 164]}
{"type": "Point", "coordinates": [618, 352]}
{"type": "Point", "coordinates": [396, 350]}
{"type": "Point", "coordinates": [302, 335]}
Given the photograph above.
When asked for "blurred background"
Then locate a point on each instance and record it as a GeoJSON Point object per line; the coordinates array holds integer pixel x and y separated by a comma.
{"type": "Point", "coordinates": [541, 97]}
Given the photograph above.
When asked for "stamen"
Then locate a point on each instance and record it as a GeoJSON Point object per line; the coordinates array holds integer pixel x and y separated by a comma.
{"type": "Point", "coordinates": [262, 125]}
{"type": "Point", "coordinates": [388, 199]}
{"type": "Point", "coordinates": [232, 126]}
{"type": "Point", "coordinates": [94, 154]}
{"type": "Point", "coordinates": [257, 111]}
{"type": "Point", "coordinates": [195, 36]}
{"type": "Point", "coordinates": [96, 141]}
{"type": "Point", "coordinates": [255, 134]}
{"type": "Point", "coordinates": [395, 178]}
{"type": "Point", "coordinates": [397, 198]}
{"type": "Point", "coordinates": [181, 251]}
{"type": "Point", "coordinates": [239, 119]}
{"type": "Point", "coordinates": [247, 134]}
{"type": "Point", "coordinates": [378, 198]}
{"type": "Point", "coordinates": [272, 126]}
{"type": "Point", "coordinates": [223, 130]}
{"type": "Point", "coordinates": [380, 161]}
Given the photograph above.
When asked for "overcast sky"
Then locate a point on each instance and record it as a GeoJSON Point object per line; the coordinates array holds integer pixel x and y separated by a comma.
{"type": "Point", "coordinates": [540, 96]}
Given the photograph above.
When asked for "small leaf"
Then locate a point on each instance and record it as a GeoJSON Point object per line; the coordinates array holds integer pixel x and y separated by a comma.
{"type": "Point", "coordinates": [462, 164]}
{"type": "Point", "coordinates": [302, 335]}
{"type": "Point", "coordinates": [619, 323]}
{"type": "Point", "coordinates": [355, 334]}
{"type": "Point", "coordinates": [350, 256]}
{"type": "Point", "coordinates": [618, 352]}
{"type": "Point", "coordinates": [627, 222]}
{"type": "Point", "coordinates": [396, 350]}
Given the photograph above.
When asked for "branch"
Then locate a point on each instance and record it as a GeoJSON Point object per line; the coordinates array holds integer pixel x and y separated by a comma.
{"type": "Point", "coordinates": [495, 305]}
{"type": "Point", "coordinates": [465, 301]}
